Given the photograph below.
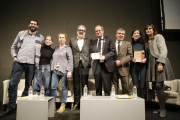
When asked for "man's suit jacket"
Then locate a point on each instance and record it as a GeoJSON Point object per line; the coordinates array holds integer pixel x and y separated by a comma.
{"type": "Point", "coordinates": [125, 57]}
{"type": "Point", "coordinates": [108, 51]}
{"type": "Point", "coordinates": [83, 54]}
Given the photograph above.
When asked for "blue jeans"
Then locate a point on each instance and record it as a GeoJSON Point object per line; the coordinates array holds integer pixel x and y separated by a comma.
{"type": "Point", "coordinates": [138, 70]}
{"type": "Point", "coordinates": [17, 71]}
{"type": "Point", "coordinates": [42, 77]}
{"type": "Point", "coordinates": [55, 80]}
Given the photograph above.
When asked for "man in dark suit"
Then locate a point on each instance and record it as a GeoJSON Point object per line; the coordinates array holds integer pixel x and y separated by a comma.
{"type": "Point", "coordinates": [104, 67]}
{"type": "Point", "coordinates": [122, 58]}
{"type": "Point", "coordinates": [82, 64]}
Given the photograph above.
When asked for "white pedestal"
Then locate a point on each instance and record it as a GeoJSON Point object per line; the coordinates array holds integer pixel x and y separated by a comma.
{"type": "Point", "coordinates": [107, 108]}
{"type": "Point", "coordinates": [35, 109]}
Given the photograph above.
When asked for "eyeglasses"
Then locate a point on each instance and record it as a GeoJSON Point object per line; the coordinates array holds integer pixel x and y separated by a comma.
{"type": "Point", "coordinates": [81, 30]}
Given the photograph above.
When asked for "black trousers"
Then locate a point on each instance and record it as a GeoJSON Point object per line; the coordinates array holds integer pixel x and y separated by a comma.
{"type": "Point", "coordinates": [79, 74]}
{"type": "Point", "coordinates": [103, 76]}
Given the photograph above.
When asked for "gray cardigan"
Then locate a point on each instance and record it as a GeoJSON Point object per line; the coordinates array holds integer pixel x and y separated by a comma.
{"type": "Point", "coordinates": [64, 57]}
{"type": "Point", "coordinates": [159, 49]}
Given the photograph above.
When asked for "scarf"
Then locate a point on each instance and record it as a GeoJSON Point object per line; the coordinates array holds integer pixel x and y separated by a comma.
{"type": "Point", "coordinates": [37, 46]}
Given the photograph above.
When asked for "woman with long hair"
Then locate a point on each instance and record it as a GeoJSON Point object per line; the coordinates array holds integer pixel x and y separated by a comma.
{"type": "Point", "coordinates": [159, 67]}
{"type": "Point", "coordinates": [138, 69]}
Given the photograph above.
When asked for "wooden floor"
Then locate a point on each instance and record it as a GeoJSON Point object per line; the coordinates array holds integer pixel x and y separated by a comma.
{"type": "Point", "coordinates": [173, 113]}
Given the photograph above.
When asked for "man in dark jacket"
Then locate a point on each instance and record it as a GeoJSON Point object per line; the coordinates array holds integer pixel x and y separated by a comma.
{"type": "Point", "coordinates": [82, 64]}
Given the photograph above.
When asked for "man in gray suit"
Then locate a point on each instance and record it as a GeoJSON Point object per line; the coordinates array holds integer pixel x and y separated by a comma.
{"type": "Point", "coordinates": [80, 48]}
{"type": "Point", "coordinates": [122, 58]}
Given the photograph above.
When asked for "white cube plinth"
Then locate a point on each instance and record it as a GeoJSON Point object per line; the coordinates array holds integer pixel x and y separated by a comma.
{"type": "Point", "coordinates": [35, 109]}
{"type": "Point", "coordinates": [107, 108]}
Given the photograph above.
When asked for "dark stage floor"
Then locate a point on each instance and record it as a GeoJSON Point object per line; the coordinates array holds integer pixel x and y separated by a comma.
{"type": "Point", "coordinates": [173, 113]}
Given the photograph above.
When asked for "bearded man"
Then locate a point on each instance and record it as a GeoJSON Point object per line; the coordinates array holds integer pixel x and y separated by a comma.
{"type": "Point", "coordinates": [25, 52]}
{"type": "Point", "coordinates": [80, 48]}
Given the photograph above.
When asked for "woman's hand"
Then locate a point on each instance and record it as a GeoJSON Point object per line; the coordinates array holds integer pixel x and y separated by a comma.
{"type": "Point", "coordinates": [69, 75]}
{"type": "Point", "coordinates": [144, 60]}
{"type": "Point", "coordinates": [134, 60]}
{"type": "Point", "coordinates": [160, 67]}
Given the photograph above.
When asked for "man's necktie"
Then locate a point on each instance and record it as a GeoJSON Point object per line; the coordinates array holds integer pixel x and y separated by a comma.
{"type": "Point", "coordinates": [119, 47]}
{"type": "Point", "coordinates": [99, 46]}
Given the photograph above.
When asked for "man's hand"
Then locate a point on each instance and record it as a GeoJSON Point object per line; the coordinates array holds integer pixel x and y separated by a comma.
{"type": "Point", "coordinates": [14, 58]}
{"type": "Point", "coordinates": [117, 62]}
{"type": "Point", "coordinates": [69, 75]}
{"type": "Point", "coordinates": [160, 67]}
{"type": "Point", "coordinates": [102, 58]}
{"type": "Point", "coordinates": [134, 60]}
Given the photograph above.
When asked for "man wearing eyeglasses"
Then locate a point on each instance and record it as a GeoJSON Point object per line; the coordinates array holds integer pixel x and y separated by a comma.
{"type": "Point", "coordinates": [25, 52]}
{"type": "Point", "coordinates": [103, 67]}
{"type": "Point", "coordinates": [82, 64]}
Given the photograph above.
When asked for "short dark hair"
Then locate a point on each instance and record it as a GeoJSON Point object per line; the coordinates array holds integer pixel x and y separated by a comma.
{"type": "Point", "coordinates": [34, 20]}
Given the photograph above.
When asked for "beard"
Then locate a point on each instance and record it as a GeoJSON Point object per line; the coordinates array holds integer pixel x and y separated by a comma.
{"type": "Point", "coordinates": [32, 29]}
{"type": "Point", "coordinates": [81, 35]}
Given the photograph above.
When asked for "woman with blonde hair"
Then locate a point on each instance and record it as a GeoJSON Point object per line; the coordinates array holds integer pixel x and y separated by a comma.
{"type": "Point", "coordinates": [62, 67]}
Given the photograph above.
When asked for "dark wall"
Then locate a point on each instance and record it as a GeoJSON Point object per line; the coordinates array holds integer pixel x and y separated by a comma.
{"type": "Point", "coordinates": [57, 16]}
{"type": "Point", "coordinates": [172, 38]}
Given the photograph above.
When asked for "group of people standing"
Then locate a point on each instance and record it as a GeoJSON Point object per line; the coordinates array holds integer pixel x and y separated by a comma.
{"type": "Point", "coordinates": [32, 55]}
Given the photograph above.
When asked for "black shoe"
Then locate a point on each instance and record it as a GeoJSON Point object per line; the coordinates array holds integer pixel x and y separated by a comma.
{"type": "Point", "coordinates": [162, 113]}
{"type": "Point", "coordinates": [106, 94]}
{"type": "Point", "coordinates": [74, 108]}
{"type": "Point", "coordinates": [156, 111]}
{"type": "Point", "coordinates": [7, 112]}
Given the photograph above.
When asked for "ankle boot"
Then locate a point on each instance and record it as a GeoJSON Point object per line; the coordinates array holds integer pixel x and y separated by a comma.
{"type": "Point", "coordinates": [162, 113]}
{"type": "Point", "coordinates": [62, 108]}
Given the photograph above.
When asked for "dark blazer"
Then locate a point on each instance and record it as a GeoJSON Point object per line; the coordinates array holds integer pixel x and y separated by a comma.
{"type": "Point", "coordinates": [125, 57]}
{"type": "Point", "coordinates": [84, 53]}
{"type": "Point", "coordinates": [108, 51]}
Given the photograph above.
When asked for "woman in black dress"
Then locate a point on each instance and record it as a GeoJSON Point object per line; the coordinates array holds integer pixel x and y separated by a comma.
{"type": "Point", "coordinates": [159, 67]}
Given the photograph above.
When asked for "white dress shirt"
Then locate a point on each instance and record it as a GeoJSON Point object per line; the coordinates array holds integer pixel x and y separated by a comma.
{"type": "Point", "coordinates": [80, 43]}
